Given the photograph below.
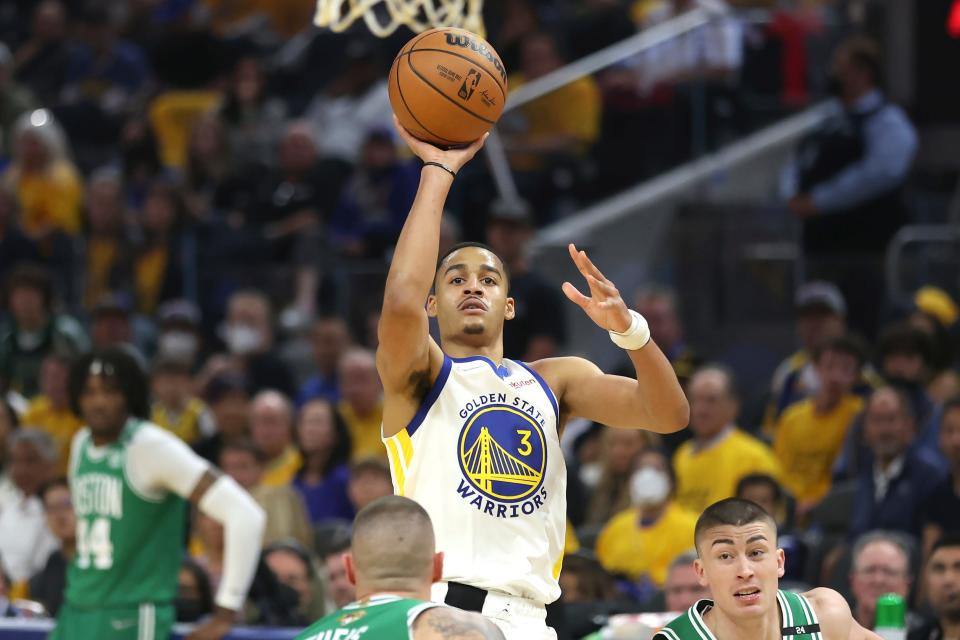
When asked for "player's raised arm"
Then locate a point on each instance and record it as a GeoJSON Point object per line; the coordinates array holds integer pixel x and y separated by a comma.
{"type": "Point", "coordinates": [403, 332]}
{"type": "Point", "coordinates": [653, 401]}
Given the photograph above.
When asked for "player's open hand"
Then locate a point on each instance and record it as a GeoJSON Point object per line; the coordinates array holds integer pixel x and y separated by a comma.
{"type": "Point", "coordinates": [604, 306]}
{"type": "Point", "coordinates": [453, 158]}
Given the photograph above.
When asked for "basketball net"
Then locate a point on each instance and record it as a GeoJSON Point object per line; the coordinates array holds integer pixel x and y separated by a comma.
{"type": "Point", "coordinates": [383, 17]}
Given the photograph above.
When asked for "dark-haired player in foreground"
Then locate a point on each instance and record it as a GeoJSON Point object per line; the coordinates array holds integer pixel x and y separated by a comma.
{"type": "Point", "coordinates": [130, 481]}
{"type": "Point", "coordinates": [740, 564]}
{"type": "Point", "coordinates": [475, 437]}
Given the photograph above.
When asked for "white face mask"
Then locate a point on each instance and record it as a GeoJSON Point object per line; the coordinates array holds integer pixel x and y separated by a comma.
{"type": "Point", "coordinates": [649, 487]}
{"type": "Point", "coordinates": [177, 345]}
{"type": "Point", "coordinates": [590, 474]}
{"type": "Point", "coordinates": [242, 339]}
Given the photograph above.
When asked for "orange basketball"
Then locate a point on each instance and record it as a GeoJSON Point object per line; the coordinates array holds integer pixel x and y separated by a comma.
{"type": "Point", "coordinates": [447, 86]}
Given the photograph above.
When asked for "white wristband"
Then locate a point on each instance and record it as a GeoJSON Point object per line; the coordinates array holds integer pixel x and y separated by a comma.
{"type": "Point", "coordinates": [636, 336]}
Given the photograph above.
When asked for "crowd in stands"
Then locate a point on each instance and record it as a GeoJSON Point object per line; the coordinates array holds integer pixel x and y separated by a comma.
{"type": "Point", "coordinates": [186, 178]}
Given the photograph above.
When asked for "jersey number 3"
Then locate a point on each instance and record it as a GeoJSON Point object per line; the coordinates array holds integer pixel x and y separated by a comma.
{"type": "Point", "coordinates": [93, 541]}
{"type": "Point", "coordinates": [525, 447]}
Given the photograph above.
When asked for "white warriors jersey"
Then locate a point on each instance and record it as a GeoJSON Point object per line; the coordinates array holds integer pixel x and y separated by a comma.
{"type": "Point", "coordinates": [482, 456]}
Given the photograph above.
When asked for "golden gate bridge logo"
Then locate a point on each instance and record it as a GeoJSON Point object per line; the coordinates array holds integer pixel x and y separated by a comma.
{"type": "Point", "coordinates": [503, 453]}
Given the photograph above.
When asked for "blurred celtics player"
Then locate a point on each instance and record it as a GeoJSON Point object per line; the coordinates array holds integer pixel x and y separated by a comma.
{"type": "Point", "coordinates": [393, 562]}
{"type": "Point", "coordinates": [130, 482]}
{"type": "Point", "coordinates": [740, 564]}
{"type": "Point", "coordinates": [474, 436]}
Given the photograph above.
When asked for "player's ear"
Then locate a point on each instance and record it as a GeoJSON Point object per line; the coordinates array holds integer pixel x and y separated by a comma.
{"type": "Point", "coordinates": [438, 566]}
{"type": "Point", "coordinates": [350, 568]}
{"type": "Point", "coordinates": [432, 306]}
{"type": "Point", "coordinates": [781, 563]}
{"type": "Point", "coordinates": [701, 577]}
{"type": "Point", "coordinates": [510, 310]}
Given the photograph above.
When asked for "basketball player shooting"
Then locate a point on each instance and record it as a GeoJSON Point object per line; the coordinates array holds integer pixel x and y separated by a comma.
{"type": "Point", "coordinates": [473, 436]}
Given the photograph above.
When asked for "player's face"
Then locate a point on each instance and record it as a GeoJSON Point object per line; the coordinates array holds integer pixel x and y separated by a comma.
{"type": "Point", "coordinates": [471, 297]}
{"type": "Point", "coordinates": [103, 406]}
{"type": "Point", "coordinates": [742, 567]}
{"type": "Point", "coordinates": [943, 582]}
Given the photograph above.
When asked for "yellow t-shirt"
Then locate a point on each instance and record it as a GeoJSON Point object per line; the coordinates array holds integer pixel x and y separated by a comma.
{"type": "Point", "coordinates": [59, 424]}
{"type": "Point", "coordinates": [150, 271]}
{"type": "Point", "coordinates": [572, 110]}
{"type": "Point", "coordinates": [807, 444]}
{"type": "Point", "coordinates": [626, 548]}
{"type": "Point", "coordinates": [280, 472]}
{"type": "Point", "coordinates": [51, 198]}
{"type": "Point", "coordinates": [712, 474]}
{"type": "Point", "coordinates": [364, 432]}
{"type": "Point", "coordinates": [185, 425]}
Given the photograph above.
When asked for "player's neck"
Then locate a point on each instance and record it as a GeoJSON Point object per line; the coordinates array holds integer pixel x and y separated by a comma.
{"type": "Point", "coordinates": [102, 438]}
{"type": "Point", "coordinates": [456, 349]}
{"type": "Point", "coordinates": [414, 594]}
{"type": "Point", "coordinates": [726, 628]}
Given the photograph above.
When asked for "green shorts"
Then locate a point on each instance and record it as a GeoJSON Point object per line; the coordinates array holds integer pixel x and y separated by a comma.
{"type": "Point", "coordinates": [147, 622]}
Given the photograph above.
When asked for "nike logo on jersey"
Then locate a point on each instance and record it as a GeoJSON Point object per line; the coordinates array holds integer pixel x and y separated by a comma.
{"type": "Point", "coordinates": [120, 625]}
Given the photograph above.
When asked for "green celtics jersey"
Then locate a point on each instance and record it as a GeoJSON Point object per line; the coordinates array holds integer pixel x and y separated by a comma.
{"type": "Point", "coordinates": [374, 618]}
{"type": "Point", "coordinates": [798, 621]}
{"type": "Point", "coordinates": [129, 545]}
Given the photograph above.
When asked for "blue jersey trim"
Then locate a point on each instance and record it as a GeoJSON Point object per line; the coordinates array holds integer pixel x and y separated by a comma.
{"type": "Point", "coordinates": [431, 396]}
{"type": "Point", "coordinates": [501, 371]}
{"type": "Point", "coordinates": [546, 389]}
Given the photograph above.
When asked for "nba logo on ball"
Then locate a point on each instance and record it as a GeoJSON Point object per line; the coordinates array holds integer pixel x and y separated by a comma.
{"type": "Point", "coordinates": [502, 453]}
{"type": "Point", "coordinates": [470, 84]}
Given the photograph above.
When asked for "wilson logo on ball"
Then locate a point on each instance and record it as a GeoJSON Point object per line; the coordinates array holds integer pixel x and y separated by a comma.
{"type": "Point", "coordinates": [469, 84]}
{"type": "Point", "coordinates": [468, 43]}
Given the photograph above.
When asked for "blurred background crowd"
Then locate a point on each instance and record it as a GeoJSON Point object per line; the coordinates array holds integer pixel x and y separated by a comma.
{"type": "Point", "coordinates": [216, 186]}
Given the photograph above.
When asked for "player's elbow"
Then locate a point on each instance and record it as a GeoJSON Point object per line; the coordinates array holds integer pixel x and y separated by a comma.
{"type": "Point", "coordinates": [674, 417]}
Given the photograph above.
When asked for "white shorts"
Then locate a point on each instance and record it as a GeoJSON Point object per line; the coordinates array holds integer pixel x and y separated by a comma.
{"type": "Point", "coordinates": [518, 618]}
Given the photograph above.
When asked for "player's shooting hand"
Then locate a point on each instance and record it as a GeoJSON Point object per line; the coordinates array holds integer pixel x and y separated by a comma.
{"type": "Point", "coordinates": [214, 628]}
{"type": "Point", "coordinates": [604, 306]}
{"type": "Point", "coordinates": [453, 158]}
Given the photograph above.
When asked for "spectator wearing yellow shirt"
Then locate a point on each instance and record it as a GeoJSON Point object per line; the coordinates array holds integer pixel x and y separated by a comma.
{"type": "Point", "coordinates": [554, 131]}
{"type": "Point", "coordinates": [811, 433]}
{"type": "Point", "coordinates": [46, 182]}
{"type": "Point", "coordinates": [108, 250]}
{"type": "Point", "coordinates": [361, 406]}
{"type": "Point", "coordinates": [50, 411]}
{"type": "Point", "coordinates": [709, 466]}
{"type": "Point", "coordinates": [620, 455]}
{"type": "Point", "coordinates": [174, 406]}
{"type": "Point", "coordinates": [271, 427]}
{"type": "Point", "coordinates": [643, 540]}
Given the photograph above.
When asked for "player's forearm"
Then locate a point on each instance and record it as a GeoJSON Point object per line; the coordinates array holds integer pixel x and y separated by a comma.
{"type": "Point", "coordinates": [658, 390]}
{"type": "Point", "coordinates": [243, 524]}
{"type": "Point", "coordinates": [415, 258]}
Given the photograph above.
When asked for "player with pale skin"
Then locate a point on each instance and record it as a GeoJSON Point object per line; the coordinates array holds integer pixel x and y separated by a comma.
{"type": "Point", "coordinates": [741, 566]}
{"type": "Point", "coordinates": [471, 304]}
{"type": "Point", "coordinates": [392, 553]}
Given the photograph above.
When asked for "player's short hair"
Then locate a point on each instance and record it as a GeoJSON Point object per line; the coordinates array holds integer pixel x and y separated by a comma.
{"type": "Point", "coordinates": [734, 512]}
{"type": "Point", "coordinates": [849, 345]}
{"type": "Point", "coordinates": [464, 245]}
{"type": "Point", "coordinates": [401, 524]}
{"type": "Point", "coordinates": [122, 369]}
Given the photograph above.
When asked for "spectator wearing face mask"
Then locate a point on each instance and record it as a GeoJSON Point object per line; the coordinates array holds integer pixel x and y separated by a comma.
{"type": "Point", "coordinates": [248, 333]}
{"type": "Point", "coordinates": [179, 333]}
{"type": "Point", "coordinates": [643, 540]}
